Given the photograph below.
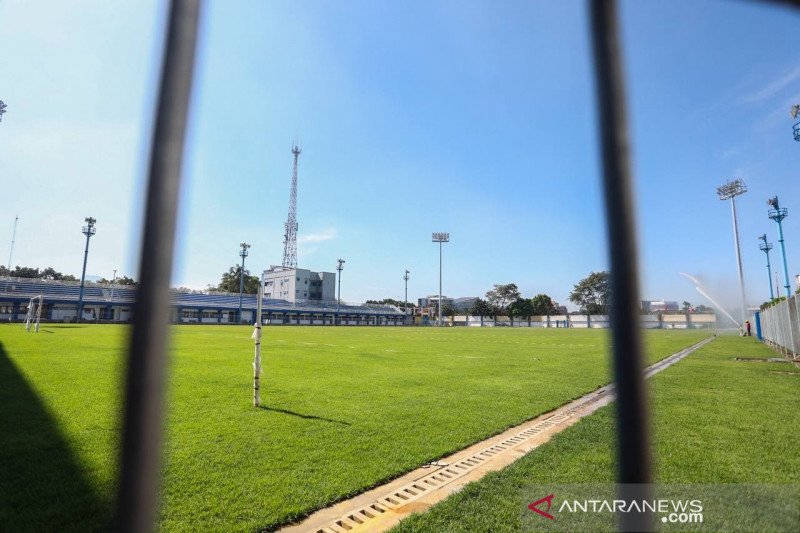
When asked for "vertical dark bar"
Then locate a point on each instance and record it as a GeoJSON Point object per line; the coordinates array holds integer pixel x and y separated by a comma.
{"type": "Point", "coordinates": [141, 442]}
{"type": "Point", "coordinates": [633, 457]}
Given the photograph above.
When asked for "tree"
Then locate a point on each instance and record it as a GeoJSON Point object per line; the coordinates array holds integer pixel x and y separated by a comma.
{"type": "Point", "coordinates": [481, 308]}
{"type": "Point", "coordinates": [543, 305]}
{"type": "Point", "coordinates": [502, 296]}
{"type": "Point", "coordinates": [120, 280]}
{"type": "Point", "coordinates": [521, 307]}
{"type": "Point", "coordinates": [25, 272]}
{"type": "Point", "coordinates": [391, 301]}
{"type": "Point", "coordinates": [48, 273]}
{"type": "Point", "coordinates": [448, 310]}
{"type": "Point", "coordinates": [703, 309]}
{"type": "Point", "coordinates": [51, 273]}
{"type": "Point", "coordinates": [592, 294]}
{"type": "Point", "coordinates": [687, 306]}
{"type": "Point", "coordinates": [230, 281]}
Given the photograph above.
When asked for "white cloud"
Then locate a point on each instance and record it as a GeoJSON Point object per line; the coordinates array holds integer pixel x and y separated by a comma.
{"type": "Point", "coordinates": [772, 88]}
{"type": "Point", "coordinates": [320, 236]}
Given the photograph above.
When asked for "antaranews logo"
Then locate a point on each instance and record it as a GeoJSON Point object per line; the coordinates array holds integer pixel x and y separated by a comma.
{"type": "Point", "coordinates": [535, 506]}
{"type": "Point", "coordinates": [601, 507]}
{"type": "Point", "coordinates": [672, 511]}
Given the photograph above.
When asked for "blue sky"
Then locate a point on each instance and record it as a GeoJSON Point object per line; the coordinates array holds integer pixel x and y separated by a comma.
{"type": "Point", "coordinates": [474, 118]}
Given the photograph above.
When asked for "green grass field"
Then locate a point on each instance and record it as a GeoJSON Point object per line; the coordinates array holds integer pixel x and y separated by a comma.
{"type": "Point", "coordinates": [715, 421]}
{"type": "Point", "coordinates": [346, 408]}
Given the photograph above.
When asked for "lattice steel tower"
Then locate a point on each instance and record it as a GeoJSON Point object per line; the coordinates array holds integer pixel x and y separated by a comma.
{"type": "Point", "coordinates": [290, 235]}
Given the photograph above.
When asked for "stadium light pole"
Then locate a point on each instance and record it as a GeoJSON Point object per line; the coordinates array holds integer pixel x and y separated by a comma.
{"type": "Point", "coordinates": [113, 281]}
{"type": "Point", "coordinates": [405, 301]}
{"type": "Point", "coordinates": [795, 111]}
{"type": "Point", "coordinates": [766, 247]}
{"type": "Point", "coordinates": [242, 253]}
{"type": "Point", "coordinates": [777, 214]}
{"type": "Point", "coordinates": [87, 230]}
{"type": "Point", "coordinates": [730, 191]}
{"type": "Point", "coordinates": [339, 269]}
{"type": "Point", "coordinates": [13, 240]}
{"type": "Point", "coordinates": [440, 238]}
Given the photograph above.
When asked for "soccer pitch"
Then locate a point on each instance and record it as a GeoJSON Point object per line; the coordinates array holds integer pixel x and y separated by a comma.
{"type": "Point", "coordinates": [344, 409]}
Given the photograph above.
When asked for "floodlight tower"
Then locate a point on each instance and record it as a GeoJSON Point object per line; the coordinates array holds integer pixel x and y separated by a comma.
{"type": "Point", "coordinates": [440, 238]}
{"type": "Point", "coordinates": [3, 107]}
{"type": "Point", "coordinates": [339, 269]}
{"type": "Point", "coordinates": [795, 111]}
{"type": "Point", "coordinates": [766, 247]}
{"type": "Point", "coordinates": [290, 234]}
{"type": "Point", "coordinates": [405, 302]}
{"type": "Point", "coordinates": [730, 191]}
{"type": "Point", "coordinates": [777, 214]}
{"type": "Point", "coordinates": [242, 253]}
{"type": "Point", "coordinates": [87, 230]}
{"type": "Point", "coordinates": [13, 240]}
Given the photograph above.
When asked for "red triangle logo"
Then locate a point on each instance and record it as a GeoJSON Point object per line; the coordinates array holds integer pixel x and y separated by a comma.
{"type": "Point", "coordinates": [535, 507]}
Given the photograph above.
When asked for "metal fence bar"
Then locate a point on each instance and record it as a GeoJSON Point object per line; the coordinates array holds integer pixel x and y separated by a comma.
{"type": "Point", "coordinates": [780, 327]}
{"type": "Point", "coordinates": [140, 458]}
{"type": "Point", "coordinates": [633, 453]}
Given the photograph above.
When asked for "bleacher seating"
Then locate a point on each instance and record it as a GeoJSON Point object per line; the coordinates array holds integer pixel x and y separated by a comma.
{"type": "Point", "coordinates": [21, 290]}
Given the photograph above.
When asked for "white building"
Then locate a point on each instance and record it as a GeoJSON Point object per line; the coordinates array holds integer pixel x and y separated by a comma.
{"type": "Point", "coordinates": [656, 306]}
{"type": "Point", "coordinates": [298, 285]}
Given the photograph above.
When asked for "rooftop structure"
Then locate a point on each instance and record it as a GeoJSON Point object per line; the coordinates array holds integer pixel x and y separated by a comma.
{"type": "Point", "coordinates": [298, 284]}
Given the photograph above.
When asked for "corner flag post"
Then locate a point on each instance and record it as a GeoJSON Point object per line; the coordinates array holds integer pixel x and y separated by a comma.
{"type": "Point", "coordinates": [257, 339]}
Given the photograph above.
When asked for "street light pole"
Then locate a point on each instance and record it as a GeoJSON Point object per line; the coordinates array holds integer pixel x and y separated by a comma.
{"type": "Point", "coordinates": [766, 247]}
{"type": "Point", "coordinates": [87, 230]}
{"type": "Point", "coordinates": [778, 214]}
{"type": "Point", "coordinates": [242, 253]}
{"type": "Point", "coordinates": [730, 191]}
{"type": "Point", "coordinates": [405, 301]}
{"type": "Point", "coordinates": [440, 238]}
{"type": "Point", "coordinates": [339, 269]}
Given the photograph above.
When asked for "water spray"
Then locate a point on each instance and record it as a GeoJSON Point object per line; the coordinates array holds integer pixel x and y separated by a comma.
{"type": "Point", "coordinates": [699, 287]}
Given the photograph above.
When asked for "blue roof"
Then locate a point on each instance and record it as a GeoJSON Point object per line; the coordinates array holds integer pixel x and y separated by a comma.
{"type": "Point", "coordinates": [21, 289]}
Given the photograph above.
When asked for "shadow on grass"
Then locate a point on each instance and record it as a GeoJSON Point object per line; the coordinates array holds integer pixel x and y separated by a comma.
{"type": "Point", "coordinates": [300, 415]}
{"type": "Point", "coordinates": [42, 485]}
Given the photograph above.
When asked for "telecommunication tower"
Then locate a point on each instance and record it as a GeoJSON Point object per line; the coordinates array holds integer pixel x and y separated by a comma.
{"type": "Point", "coordinates": [290, 235]}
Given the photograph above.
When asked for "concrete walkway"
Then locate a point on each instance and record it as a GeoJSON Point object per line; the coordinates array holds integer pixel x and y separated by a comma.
{"type": "Point", "coordinates": [384, 507]}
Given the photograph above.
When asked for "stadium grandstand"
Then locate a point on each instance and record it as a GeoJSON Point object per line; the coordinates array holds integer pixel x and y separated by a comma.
{"type": "Point", "coordinates": [115, 303]}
